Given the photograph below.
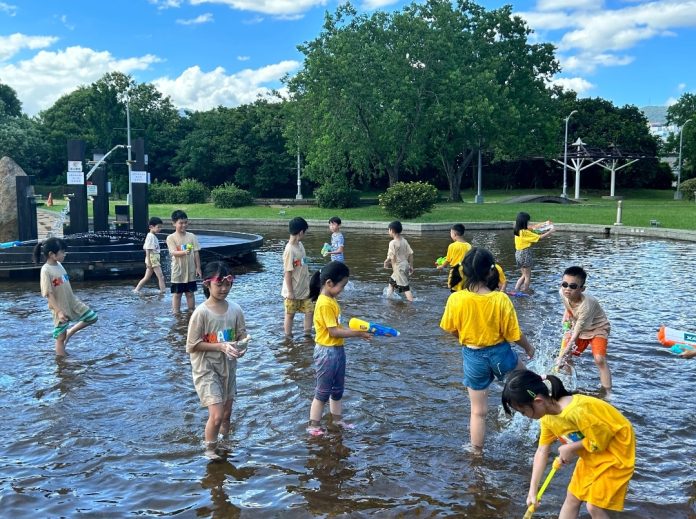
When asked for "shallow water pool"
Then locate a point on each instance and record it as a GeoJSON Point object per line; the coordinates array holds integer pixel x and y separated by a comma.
{"type": "Point", "coordinates": [115, 428]}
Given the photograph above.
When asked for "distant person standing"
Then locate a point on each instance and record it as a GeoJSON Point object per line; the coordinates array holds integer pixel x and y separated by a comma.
{"type": "Point", "coordinates": [400, 258]}
{"type": "Point", "coordinates": [295, 289]}
{"type": "Point", "coordinates": [337, 241]}
{"type": "Point", "coordinates": [152, 256]}
{"type": "Point", "coordinates": [186, 262]}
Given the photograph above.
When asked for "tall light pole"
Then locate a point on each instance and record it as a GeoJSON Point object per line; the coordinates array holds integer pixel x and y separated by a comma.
{"type": "Point", "coordinates": [128, 145]}
{"type": "Point", "coordinates": [678, 194]}
{"type": "Point", "coordinates": [565, 156]}
{"type": "Point", "coordinates": [298, 196]}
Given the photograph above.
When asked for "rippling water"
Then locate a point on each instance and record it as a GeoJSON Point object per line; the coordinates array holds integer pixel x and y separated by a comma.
{"type": "Point", "coordinates": [116, 428]}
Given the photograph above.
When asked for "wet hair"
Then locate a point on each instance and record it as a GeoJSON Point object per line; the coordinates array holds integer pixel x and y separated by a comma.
{"type": "Point", "coordinates": [54, 245]}
{"type": "Point", "coordinates": [458, 229]}
{"type": "Point", "coordinates": [479, 267]}
{"type": "Point", "coordinates": [155, 220]}
{"type": "Point", "coordinates": [336, 271]}
{"type": "Point", "coordinates": [214, 269]}
{"type": "Point", "coordinates": [297, 225]}
{"type": "Point", "coordinates": [577, 272]}
{"type": "Point", "coordinates": [179, 215]}
{"type": "Point", "coordinates": [523, 386]}
{"type": "Point", "coordinates": [521, 222]}
{"type": "Point", "coordinates": [335, 219]}
{"type": "Point", "coordinates": [396, 227]}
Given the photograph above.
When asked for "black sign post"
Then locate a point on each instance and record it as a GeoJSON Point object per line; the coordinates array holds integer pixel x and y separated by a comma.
{"type": "Point", "coordinates": [139, 184]}
{"type": "Point", "coordinates": [77, 188]}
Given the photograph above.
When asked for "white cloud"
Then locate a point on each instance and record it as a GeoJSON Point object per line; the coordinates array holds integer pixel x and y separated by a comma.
{"type": "Point", "coordinates": [253, 21]}
{"type": "Point", "coordinates": [588, 62]}
{"type": "Point", "coordinates": [619, 28]}
{"type": "Point", "coordinates": [198, 90]}
{"type": "Point", "coordinates": [64, 20]}
{"type": "Point", "coordinates": [166, 4]}
{"type": "Point", "coordinates": [12, 44]}
{"type": "Point", "coordinates": [671, 101]}
{"type": "Point", "coordinates": [547, 21]}
{"type": "Point", "coordinates": [41, 80]}
{"type": "Point", "coordinates": [681, 87]}
{"type": "Point", "coordinates": [376, 4]}
{"type": "Point", "coordinates": [11, 10]}
{"type": "Point", "coordinates": [203, 18]}
{"type": "Point", "coordinates": [272, 7]}
{"type": "Point", "coordinates": [575, 5]}
{"type": "Point", "coordinates": [243, 58]}
{"type": "Point", "coordinates": [577, 84]}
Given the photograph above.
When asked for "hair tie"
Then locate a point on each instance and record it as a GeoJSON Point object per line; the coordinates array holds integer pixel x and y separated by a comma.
{"type": "Point", "coordinates": [547, 383]}
{"type": "Point", "coordinates": [492, 266]}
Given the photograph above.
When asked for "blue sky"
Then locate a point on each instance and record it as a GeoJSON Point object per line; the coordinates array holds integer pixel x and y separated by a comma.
{"type": "Point", "coordinates": [205, 53]}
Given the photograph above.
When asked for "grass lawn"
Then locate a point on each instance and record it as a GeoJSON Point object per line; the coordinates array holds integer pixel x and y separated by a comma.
{"type": "Point", "coordinates": [639, 207]}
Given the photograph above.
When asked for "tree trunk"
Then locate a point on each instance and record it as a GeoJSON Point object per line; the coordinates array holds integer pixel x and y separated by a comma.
{"type": "Point", "coordinates": [454, 175]}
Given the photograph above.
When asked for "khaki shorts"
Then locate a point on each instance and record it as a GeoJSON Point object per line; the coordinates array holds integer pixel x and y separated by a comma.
{"type": "Point", "coordinates": [154, 260]}
{"type": "Point", "coordinates": [303, 306]}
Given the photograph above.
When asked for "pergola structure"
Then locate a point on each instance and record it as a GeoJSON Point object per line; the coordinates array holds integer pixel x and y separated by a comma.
{"type": "Point", "coordinates": [581, 156]}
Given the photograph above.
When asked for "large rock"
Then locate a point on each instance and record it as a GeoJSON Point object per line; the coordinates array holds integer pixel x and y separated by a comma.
{"type": "Point", "coordinates": [9, 171]}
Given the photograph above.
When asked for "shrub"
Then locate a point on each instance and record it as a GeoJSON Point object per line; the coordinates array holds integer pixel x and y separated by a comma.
{"type": "Point", "coordinates": [188, 191]}
{"type": "Point", "coordinates": [688, 187]}
{"type": "Point", "coordinates": [409, 199]}
{"type": "Point", "coordinates": [336, 196]}
{"type": "Point", "coordinates": [228, 195]}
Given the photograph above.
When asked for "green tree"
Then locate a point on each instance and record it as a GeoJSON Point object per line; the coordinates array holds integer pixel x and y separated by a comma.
{"type": "Point", "coordinates": [362, 94]}
{"type": "Point", "coordinates": [21, 140]}
{"type": "Point", "coordinates": [488, 87]}
{"type": "Point", "coordinates": [10, 105]}
{"type": "Point", "coordinates": [680, 112]}
{"type": "Point", "coordinates": [244, 145]}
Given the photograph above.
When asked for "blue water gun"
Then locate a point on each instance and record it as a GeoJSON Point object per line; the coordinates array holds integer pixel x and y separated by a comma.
{"type": "Point", "coordinates": [373, 328]}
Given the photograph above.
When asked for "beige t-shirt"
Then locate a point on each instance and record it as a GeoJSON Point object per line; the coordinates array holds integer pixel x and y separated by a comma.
{"type": "Point", "coordinates": [295, 261]}
{"type": "Point", "coordinates": [214, 374]}
{"type": "Point", "coordinates": [399, 252]}
{"type": "Point", "coordinates": [587, 316]}
{"type": "Point", "coordinates": [55, 280]}
{"type": "Point", "coordinates": [183, 267]}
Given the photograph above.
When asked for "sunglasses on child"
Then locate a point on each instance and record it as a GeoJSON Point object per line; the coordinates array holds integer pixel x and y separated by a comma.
{"type": "Point", "coordinates": [572, 286]}
{"type": "Point", "coordinates": [228, 279]}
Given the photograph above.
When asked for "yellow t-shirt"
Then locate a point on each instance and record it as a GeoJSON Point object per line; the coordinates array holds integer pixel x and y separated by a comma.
{"type": "Point", "coordinates": [327, 314]}
{"type": "Point", "coordinates": [456, 252]}
{"type": "Point", "coordinates": [462, 283]}
{"type": "Point", "coordinates": [525, 239]}
{"type": "Point", "coordinates": [481, 319]}
{"type": "Point", "coordinates": [606, 465]}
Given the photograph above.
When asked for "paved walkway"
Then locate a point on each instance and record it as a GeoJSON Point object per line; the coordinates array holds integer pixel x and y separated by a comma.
{"type": "Point", "coordinates": [45, 220]}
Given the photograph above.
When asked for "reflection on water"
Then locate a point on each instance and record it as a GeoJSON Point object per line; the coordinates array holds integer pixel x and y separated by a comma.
{"type": "Point", "coordinates": [115, 427]}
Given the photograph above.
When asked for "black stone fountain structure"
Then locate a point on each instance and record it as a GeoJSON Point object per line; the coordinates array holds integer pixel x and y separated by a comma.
{"type": "Point", "coordinates": [105, 251]}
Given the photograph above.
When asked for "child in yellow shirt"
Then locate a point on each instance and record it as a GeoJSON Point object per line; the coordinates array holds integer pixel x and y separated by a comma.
{"type": "Point", "coordinates": [329, 355]}
{"type": "Point", "coordinates": [590, 429]}
{"type": "Point", "coordinates": [524, 238]}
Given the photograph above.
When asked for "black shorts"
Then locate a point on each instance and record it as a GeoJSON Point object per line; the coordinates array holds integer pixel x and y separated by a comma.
{"type": "Point", "coordinates": [182, 288]}
{"type": "Point", "coordinates": [399, 288]}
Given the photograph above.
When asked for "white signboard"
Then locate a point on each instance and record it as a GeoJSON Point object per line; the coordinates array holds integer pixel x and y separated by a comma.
{"type": "Point", "coordinates": [138, 177]}
{"type": "Point", "coordinates": [91, 190]}
{"type": "Point", "coordinates": [74, 165]}
{"type": "Point", "coordinates": [76, 178]}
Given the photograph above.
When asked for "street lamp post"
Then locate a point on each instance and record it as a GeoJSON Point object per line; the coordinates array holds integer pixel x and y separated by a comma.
{"type": "Point", "coordinates": [678, 194]}
{"type": "Point", "coordinates": [298, 196]}
{"type": "Point", "coordinates": [128, 146]}
{"type": "Point", "coordinates": [565, 156]}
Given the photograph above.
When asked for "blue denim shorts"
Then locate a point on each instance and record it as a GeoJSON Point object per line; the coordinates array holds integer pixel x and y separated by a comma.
{"type": "Point", "coordinates": [330, 370]}
{"type": "Point", "coordinates": [482, 365]}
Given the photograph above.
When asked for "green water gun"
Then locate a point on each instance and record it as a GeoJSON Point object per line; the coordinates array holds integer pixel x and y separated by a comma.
{"type": "Point", "coordinates": [440, 261]}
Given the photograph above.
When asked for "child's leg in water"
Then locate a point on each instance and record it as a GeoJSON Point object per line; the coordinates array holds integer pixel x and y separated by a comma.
{"type": "Point", "coordinates": [224, 432]}
{"type": "Point", "coordinates": [73, 330]}
{"type": "Point", "coordinates": [308, 321]}
{"type": "Point", "coordinates": [190, 301]}
{"type": "Point", "coordinates": [176, 302]}
{"type": "Point", "coordinates": [315, 414]}
{"type": "Point", "coordinates": [212, 428]}
{"type": "Point", "coordinates": [60, 344]}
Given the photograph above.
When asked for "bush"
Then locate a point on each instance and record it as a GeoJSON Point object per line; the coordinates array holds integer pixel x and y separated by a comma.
{"type": "Point", "coordinates": [188, 191]}
{"type": "Point", "coordinates": [228, 195]}
{"type": "Point", "coordinates": [409, 199]}
{"type": "Point", "coordinates": [688, 187]}
{"type": "Point", "coordinates": [336, 196]}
